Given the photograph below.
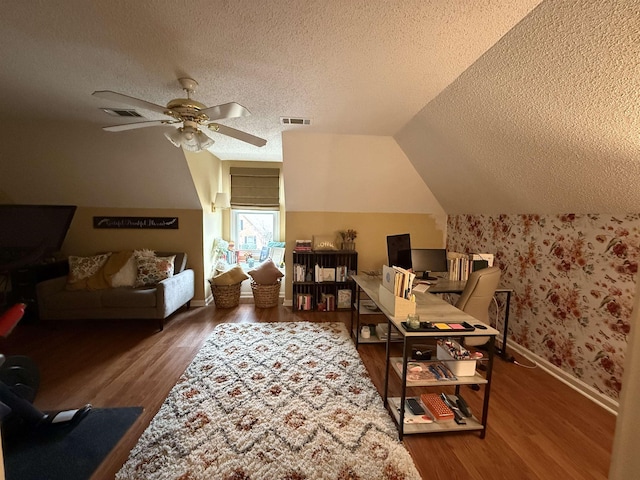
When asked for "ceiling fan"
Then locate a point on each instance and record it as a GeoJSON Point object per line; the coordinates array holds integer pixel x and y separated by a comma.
{"type": "Point", "coordinates": [195, 122]}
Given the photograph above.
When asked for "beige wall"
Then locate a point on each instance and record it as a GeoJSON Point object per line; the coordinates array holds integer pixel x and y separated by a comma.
{"type": "Point", "coordinates": [206, 171]}
{"type": "Point", "coordinates": [372, 228]}
{"type": "Point", "coordinates": [83, 239]}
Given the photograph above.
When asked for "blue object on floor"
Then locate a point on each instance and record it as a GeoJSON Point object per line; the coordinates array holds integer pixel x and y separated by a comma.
{"type": "Point", "coordinates": [67, 452]}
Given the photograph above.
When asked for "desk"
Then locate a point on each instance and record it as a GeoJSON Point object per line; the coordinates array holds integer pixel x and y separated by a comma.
{"type": "Point", "coordinates": [444, 285]}
{"type": "Point", "coordinates": [434, 309]}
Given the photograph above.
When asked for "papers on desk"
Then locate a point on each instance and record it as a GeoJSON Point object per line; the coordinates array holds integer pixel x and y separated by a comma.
{"type": "Point", "coordinates": [395, 291]}
{"type": "Point", "coordinates": [398, 280]}
{"type": "Point", "coordinates": [420, 288]}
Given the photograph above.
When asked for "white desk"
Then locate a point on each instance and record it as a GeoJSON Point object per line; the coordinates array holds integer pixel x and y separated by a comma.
{"type": "Point", "coordinates": [431, 309]}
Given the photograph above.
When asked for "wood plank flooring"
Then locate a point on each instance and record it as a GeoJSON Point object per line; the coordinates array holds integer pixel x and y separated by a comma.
{"type": "Point", "coordinates": [539, 428]}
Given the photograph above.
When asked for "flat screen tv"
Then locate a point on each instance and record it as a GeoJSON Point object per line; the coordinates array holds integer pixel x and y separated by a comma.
{"type": "Point", "coordinates": [399, 250]}
{"type": "Point", "coordinates": [32, 233]}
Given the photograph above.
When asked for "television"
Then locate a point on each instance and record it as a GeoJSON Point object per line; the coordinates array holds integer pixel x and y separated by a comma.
{"type": "Point", "coordinates": [32, 234]}
{"type": "Point", "coordinates": [427, 260]}
{"type": "Point", "coordinates": [399, 250]}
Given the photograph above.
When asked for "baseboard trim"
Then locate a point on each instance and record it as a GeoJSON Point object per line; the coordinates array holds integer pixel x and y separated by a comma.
{"type": "Point", "coordinates": [578, 385]}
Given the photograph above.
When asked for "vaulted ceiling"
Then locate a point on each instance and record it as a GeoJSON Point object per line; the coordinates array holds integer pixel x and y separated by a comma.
{"type": "Point", "coordinates": [493, 92]}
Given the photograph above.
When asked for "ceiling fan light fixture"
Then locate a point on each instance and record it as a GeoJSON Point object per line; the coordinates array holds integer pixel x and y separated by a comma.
{"type": "Point", "coordinates": [189, 138]}
{"type": "Point", "coordinates": [175, 137]}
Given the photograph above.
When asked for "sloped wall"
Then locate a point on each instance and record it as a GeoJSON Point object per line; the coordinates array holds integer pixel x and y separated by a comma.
{"type": "Point", "coordinates": [573, 278]}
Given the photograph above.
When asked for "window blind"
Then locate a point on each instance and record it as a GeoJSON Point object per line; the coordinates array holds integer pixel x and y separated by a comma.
{"type": "Point", "coordinates": [255, 187]}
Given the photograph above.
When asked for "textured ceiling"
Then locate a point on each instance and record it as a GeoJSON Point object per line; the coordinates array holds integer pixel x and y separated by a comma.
{"type": "Point", "coordinates": [546, 121]}
{"type": "Point", "coordinates": [353, 67]}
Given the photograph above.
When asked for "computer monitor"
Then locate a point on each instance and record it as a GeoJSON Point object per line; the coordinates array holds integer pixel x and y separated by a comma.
{"type": "Point", "coordinates": [429, 260]}
{"type": "Point", "coordinates": [398, 250]}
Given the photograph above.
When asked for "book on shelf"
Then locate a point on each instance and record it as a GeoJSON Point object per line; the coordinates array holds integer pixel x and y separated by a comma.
{"type": "Point", "coordinates": [299, 272]}
{"type": "Point", "coordinates": [342, 273]}
{"type": "Point", "coordinates": [304, 301]}
{"type": "Point", "coordinates": [329, 301]}
{"type": "Point", "coordinates": [462, 264]}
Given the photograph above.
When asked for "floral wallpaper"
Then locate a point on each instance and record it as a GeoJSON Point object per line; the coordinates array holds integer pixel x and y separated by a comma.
{"type": "Point", "coordinates": [573, 278]}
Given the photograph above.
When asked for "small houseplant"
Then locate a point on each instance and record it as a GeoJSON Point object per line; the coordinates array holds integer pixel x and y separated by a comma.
{"type": "Point", "coordinates": [348, 239]}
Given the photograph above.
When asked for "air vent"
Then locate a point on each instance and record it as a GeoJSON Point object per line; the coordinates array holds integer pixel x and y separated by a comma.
{"type": "Point", "coordinates": [121, 113]}
{"type": "Point", "coordinates": [295, 121]}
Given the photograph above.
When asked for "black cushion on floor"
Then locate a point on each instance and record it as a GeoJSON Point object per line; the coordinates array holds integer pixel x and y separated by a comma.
{"type": "Point", "coordinates": [69, 452]}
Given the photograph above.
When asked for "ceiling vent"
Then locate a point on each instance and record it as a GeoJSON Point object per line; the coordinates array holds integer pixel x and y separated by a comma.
{"type": "Point", "coordinates": [121, 112]}
{"type": "Point", "coordinates": [295, 121]}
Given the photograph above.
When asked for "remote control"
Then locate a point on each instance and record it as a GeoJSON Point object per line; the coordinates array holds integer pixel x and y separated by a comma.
{"type": "Point", "coordinates": [415, 407]}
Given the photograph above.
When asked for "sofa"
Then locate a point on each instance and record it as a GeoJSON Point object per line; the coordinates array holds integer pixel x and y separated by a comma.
{"type": "Point", "coordinates": [59, 298]}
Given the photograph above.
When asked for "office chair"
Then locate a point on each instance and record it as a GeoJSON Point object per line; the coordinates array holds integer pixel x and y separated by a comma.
{"type": "Point", "coordinates": [476, 298]}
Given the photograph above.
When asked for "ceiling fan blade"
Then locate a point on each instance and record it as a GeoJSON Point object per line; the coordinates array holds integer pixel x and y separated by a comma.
{"type": "Point", "coordinates": [126, 99]}
{"type": "Point", "coordinates": [226, 110]}
{"type": "Point", "coordinates": [131, 126]}
{"type": "Point", "coordinates": [237, 134]}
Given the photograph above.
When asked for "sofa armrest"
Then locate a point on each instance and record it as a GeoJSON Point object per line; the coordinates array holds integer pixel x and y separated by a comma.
{"type": "Point", "coordinates": [175, 292]}
{"type": "Point", "coordinates": [46, 289]}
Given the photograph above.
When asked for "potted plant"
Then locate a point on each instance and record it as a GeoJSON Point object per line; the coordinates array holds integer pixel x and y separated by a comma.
{"type": "Point", "coordinates": [348, 239]}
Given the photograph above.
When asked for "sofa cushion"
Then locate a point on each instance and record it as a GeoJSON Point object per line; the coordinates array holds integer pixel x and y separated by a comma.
{"type": "Point", "coordinates": [129, 297]}
{"type": "Point", "coordinates": [266, 274]}
{"type": "Point", "coordinates": [82, 268]}
{"type": "Point", "coordinates": [230, 277]}
{"type": "Point", "coordinates": [152, 270]}
{"type": "Point", "coordinates": [68, 300]}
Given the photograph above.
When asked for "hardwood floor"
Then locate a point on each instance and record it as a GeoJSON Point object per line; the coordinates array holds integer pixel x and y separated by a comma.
{"type": "Point", "coordinates": [539, 428]}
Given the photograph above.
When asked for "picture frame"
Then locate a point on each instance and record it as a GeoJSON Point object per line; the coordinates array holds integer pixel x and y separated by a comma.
{"type": "Point", "coordinates": [277, 255]}
{"type": "Point", "coordinates": [344, 298]}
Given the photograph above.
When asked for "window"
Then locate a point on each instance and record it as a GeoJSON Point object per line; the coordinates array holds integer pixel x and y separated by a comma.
{"type": "Point", "coordinates": [252, 230]}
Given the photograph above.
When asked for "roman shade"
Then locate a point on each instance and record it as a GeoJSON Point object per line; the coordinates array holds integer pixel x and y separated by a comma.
{"type": "Point", "coordinates": [255, 187]}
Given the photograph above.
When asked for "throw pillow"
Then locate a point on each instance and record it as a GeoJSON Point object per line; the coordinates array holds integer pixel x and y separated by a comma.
{"type": "Point", "coordinates": [152, 270]}
{"type": "Point", "coordinates": [266, 274]}
{"type": "Point", "coordinates": [128, 273]}
{"type": "Point", "coordinates": [81, 268]}
{"type": "Point", "coordinates": [230, 277]}
{"type": "Point", "coordinates": [145, 252]}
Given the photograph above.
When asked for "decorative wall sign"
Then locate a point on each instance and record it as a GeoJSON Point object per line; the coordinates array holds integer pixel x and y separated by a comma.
{"type": "Point", "coordinates": [136, 222]}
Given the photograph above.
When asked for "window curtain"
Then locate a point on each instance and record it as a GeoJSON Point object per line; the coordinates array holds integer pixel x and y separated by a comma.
{"type": "Point", "coordinates": [255, 187]}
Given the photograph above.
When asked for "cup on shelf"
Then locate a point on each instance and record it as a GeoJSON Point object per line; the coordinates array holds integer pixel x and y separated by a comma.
{"type": "Point", "coordinates": [365, 332]}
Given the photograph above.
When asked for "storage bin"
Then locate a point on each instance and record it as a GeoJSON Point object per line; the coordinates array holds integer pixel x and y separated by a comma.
{"type": "Point", "coordinates": [226, 296]}
{"type": "Point", "coordinates": [460, 368]}
{"type": "Point", "coordinates": [266, 296]}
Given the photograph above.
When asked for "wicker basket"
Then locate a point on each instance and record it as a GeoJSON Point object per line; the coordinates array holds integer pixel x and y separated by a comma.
{"type": "Point", "coordinates": [266, 296]}
{"type": "Point", "coordinates": [226, 296]}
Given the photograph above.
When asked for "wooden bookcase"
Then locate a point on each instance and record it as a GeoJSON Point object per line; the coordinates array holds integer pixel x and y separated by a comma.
{"type": "Point", "coordinates": [309, 291]}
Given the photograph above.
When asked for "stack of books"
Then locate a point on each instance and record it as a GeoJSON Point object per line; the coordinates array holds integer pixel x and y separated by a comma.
{"type": "Point", "coordinates": [304, 301]}
{"type": "Point", "coordinates": [382, 331]}
{"type": "Point", "coordinates": [303, 246]}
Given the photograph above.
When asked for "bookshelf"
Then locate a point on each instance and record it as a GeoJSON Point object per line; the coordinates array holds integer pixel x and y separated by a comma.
{"type": "Point", "coordinates": [322, 279]}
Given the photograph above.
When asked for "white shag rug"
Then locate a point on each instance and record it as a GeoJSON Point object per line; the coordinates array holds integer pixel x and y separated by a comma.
{"type": "Point", "coordinates": [272, 401]}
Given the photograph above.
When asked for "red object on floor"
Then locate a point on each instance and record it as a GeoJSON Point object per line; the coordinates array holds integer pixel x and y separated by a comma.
{"type": "Point", "coordinates": [10, 318]}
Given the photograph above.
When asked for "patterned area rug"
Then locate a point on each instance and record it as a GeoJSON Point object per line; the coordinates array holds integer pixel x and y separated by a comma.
{"type": "Point", "coordinates": [272, 401]}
